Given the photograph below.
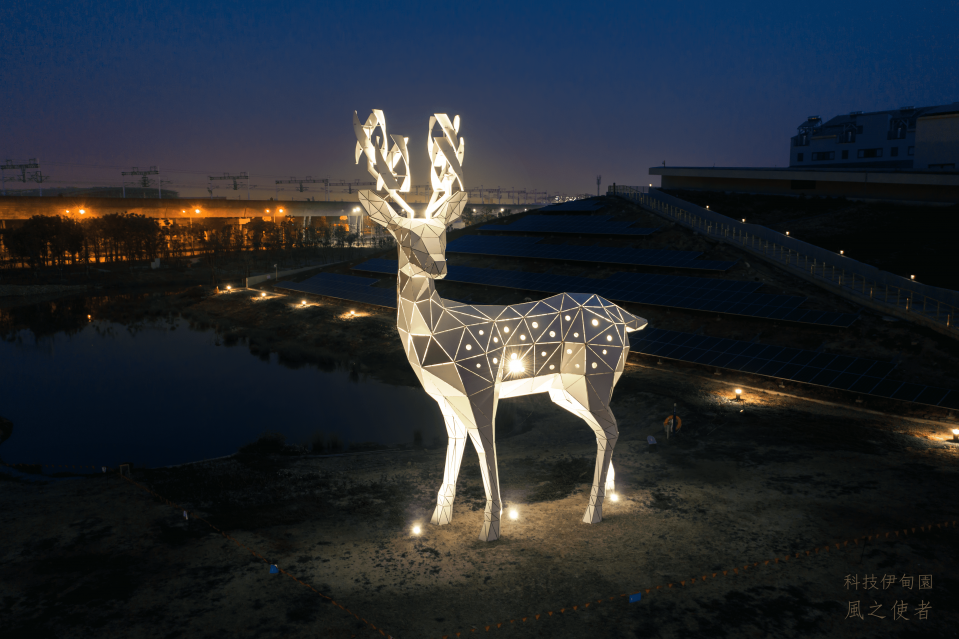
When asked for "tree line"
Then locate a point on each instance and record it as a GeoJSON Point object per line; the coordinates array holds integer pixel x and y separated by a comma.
{"type": "Point", "coordinates": [116, 237]}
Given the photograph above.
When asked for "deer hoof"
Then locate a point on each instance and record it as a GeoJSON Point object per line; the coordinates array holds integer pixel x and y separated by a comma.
{"type": "Point", "coordinates": [442, 515]}
{"type": "Point", "coordinates": [594, 515]}
{"type": "Point", "coordinates": [490, 531]}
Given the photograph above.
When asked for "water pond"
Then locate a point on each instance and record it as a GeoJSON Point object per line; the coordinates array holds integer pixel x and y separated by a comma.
{"type": "Point", "coordinates": [160, 393]}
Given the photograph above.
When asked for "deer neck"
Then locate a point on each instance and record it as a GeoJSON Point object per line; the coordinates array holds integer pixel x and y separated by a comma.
{"type": "Point", "coordinates": [415, 288]}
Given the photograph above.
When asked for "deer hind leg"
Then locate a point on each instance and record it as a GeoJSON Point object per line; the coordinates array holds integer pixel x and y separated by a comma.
{"type": "Point", "coordinates": [443, 514]}
{"type": "Point", "coordinates": [482, 433]}
{"type": "Point", "coordinates": [603, 423]}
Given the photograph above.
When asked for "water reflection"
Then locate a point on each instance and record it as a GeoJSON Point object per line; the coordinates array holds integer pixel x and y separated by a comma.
{"type": "Point", "coordinates": [94, 391]}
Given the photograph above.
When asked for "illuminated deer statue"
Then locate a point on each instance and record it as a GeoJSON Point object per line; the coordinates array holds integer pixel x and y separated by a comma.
{"type": "Point", "coordinates": [572, 346]}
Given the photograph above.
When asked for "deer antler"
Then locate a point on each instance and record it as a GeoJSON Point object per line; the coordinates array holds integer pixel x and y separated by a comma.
{"type": "Point", "coordinates": [446, 160]}
{"type": "Point", "coordinates": [381, 159]}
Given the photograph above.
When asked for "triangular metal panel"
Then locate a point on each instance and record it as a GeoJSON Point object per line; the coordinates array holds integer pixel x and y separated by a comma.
{"type": "Point", "coordinates": [436, 355]}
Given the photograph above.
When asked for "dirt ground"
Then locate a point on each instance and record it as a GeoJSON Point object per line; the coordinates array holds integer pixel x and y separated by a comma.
{"type": "Point", "coordinates": [736, 486]}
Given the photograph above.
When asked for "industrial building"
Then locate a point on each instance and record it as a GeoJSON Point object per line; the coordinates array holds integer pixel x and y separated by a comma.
{"type": "Point", "coordinates": [905, 154]}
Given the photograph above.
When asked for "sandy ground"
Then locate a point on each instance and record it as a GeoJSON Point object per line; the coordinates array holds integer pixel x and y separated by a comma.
{"type": "Point", "coordinates": [100, 557]}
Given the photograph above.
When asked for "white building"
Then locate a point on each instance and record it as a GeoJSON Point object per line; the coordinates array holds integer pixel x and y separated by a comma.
{"type": "Point", "coordinates": [923, 138]}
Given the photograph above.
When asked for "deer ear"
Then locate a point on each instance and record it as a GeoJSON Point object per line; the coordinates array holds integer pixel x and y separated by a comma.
{"type": "Point", "coordinates": [379, 210]}
{"type": "Point", "coordinates": [452, 208]}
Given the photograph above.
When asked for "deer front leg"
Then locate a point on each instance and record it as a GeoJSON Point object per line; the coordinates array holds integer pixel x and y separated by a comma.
{"type": "Point", "coordinates": [485, 444]}
{"type": "Point", "coordinates": [443, 514]}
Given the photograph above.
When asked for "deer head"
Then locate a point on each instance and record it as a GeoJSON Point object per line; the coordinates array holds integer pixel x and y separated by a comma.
{"type": "Point", "coordinates": [422, 240]}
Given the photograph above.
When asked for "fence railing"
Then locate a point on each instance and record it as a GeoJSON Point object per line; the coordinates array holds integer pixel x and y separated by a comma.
{"type": "Point", "coordinates": [904, 298]}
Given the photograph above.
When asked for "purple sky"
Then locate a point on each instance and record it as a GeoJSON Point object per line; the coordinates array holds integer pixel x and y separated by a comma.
{"type": "Point", "coordinates": [551, 94]}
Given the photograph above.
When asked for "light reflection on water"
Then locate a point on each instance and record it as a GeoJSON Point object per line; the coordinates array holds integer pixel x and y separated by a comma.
{"type": "Point", "coordinates": [105, 393]}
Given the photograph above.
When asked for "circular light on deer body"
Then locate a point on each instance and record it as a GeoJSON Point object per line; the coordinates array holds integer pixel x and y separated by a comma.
{"type": "Point", "coordinates": [594, 364]}
{"type": "Point", "coordinates": [567, 318]}
{"type": "Point", "coordinates": [535, 325]}
{"type": "Point", "coordinates": [552, 333]}
{"type": "Point", "coordinates": [577, 366]}
{"type": "Point", "coordinates": [609, 338]}
{"type": "Point", "coordinates": [469, 347]}
{"type": "Point", "coordinates": [522, 337]}
{"type": "Point", "coordinates": [551, 367]}
{"type": "Point", "coordinates": [543, 353]}
{"type": "Point", "coordinates": [569, 351]}
{"type": "Point", "coordinates": [513, 356]}
{"type": "Point", "coordinates": [481, 332]}
{"type": "Point", "coordinates": [495, 361]}
{"type": "Point", "coordinates": [506, 329]}
{"type": "Point", "coordinates": [575, 334]}
{"type": "Point", "coordinates": [496, 340]}
{"type": "Point", "coordinates": [604, 351]}
{"type": "Point", "coordinates": [595, 322]}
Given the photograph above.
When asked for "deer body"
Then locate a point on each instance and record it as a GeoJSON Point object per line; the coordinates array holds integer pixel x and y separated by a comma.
{"type": "Point", "coordinates": [468, 357]}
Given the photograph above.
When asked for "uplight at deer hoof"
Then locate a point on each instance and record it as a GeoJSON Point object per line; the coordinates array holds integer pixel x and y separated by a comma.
{"type": "Point", "coordinates": [513, 514]}
{"type": "Point", "coordinates": [614, 497]}
{"type": "Point", "coordinates": [417, 530]}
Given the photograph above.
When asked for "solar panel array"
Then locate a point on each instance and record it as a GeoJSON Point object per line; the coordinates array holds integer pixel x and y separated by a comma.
{"type": "Point", "coordinates": [345, 287]}
{"type": "Point", "coordinates": [842, 372]}
{"type": "Point", "coordinates": [577, 224]}
{"type": "Point", "coordinates": [529, 247]}
{"type": "Point", "coordinates": [587, 206]}
{"type": "Point", "coordinates": [675, 291]}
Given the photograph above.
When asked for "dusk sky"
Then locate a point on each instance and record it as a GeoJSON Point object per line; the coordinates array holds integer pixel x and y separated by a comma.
{"type": "Point", "coordinates": [551, 94]}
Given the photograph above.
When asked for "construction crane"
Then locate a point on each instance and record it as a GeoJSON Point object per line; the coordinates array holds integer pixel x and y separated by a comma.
{"type": "Point", "coordinates": [146, 181]}
{"type": "Point", "coordinates": [241, 177]}
{"type": "Point", "coordinates": [325, 181]}
{"type": "Point", "coordinates": [32, 163]}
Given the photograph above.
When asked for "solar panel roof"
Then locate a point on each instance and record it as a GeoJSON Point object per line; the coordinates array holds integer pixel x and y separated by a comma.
{"type": "Point", "coordinates": [732, 297]}
{"type": "Point", "coordinates": [843, 372]}
{"type": "Point", "coordinates": [573, 224]}
{"type": "Point", "coordinates": [586, 205]}
{"type": "Point", "coordinates": [345, 287]}
{"type": "Point", "coordinates": [530, 247]}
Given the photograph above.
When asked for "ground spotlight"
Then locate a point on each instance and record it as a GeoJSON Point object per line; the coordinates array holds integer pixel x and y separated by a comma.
{"type": "Point", "coordinates": [614, 497]}
{"type": "Point", "coordinates": [955, 435]}
{"type": "Point", "coordinates": [229, 288]}
{"type": "Point", "coordinates": [303, 303]}
{"type": "Point", "coordinates": [352, 313]}
{"type": "Point", "coordinates": [739, 394]}
{"type": "Point", "coordinates": [417, 530]}
{"type": "Point", "coordinates": [513, 514]}
{"type": "Point", "coordinates": [262, 294]}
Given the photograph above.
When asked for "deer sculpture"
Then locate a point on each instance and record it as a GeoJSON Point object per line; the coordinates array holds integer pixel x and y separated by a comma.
{"type": "Point", "coordinates": [468, 357]}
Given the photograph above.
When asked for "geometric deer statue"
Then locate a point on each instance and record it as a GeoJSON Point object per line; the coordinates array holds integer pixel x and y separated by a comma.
{"type": "Point", "coordinates": [468, 357]}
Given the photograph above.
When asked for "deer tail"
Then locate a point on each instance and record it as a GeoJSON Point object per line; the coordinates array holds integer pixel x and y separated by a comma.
{"type": "Point", "coordinates": [633, 322]}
